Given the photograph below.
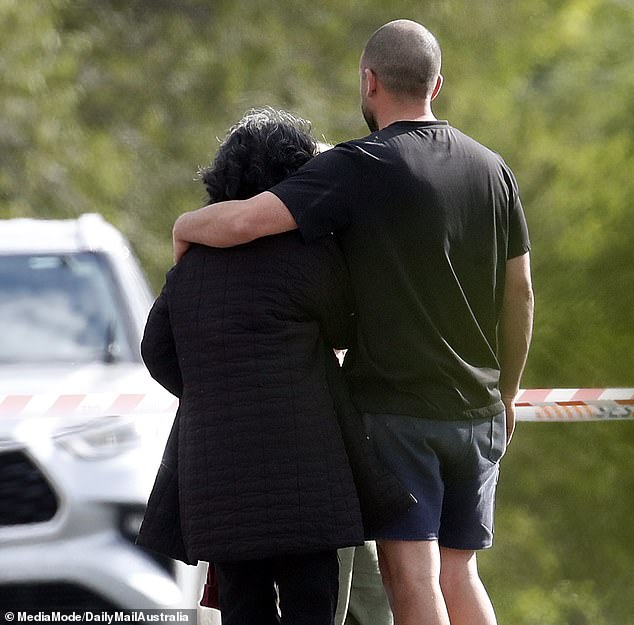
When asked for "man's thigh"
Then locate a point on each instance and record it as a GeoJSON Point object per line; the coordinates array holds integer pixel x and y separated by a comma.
{"type": "Point", "coordinates": [470, 489]}
{"type": "Point", "coordinates": [451, 467]}
{"type": "Point", "coordinates": [404, 446]}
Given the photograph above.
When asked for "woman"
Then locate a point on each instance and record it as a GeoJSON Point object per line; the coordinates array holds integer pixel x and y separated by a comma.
{"type": "Point", "coordinates": [255, 477]}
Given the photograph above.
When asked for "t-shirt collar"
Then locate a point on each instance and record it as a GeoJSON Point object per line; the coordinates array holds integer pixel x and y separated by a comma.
{"type": "Point", "coordinates": [417, 124]}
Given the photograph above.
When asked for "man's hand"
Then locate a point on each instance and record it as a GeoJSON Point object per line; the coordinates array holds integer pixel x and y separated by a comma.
{"type": "Point", "coordinates": [180, 246]}
{"type": "Point", "coordinates": [509, 406]}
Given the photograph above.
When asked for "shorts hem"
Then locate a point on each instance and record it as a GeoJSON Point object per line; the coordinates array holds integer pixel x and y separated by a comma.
{"type": "Point", "coordinates": [406, 538]}
{"type": "Point", "coordinates": [461, 547]}
{"type": "Point", "coordinates": [476, 546]}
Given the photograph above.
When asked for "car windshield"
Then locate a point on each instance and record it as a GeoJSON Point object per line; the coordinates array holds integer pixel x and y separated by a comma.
{"type": "Point", "coordinates": [60, 308]}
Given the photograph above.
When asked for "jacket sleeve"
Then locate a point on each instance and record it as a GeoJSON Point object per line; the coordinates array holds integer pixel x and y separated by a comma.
{"type": "Point", "coordinates": [158, 348]}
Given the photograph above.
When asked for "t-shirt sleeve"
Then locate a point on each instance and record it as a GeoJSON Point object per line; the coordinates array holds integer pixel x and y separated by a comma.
{"type": "Point", "coordinates": [518, 239]}
{"type": "Point", "coordinates": [320, 194]}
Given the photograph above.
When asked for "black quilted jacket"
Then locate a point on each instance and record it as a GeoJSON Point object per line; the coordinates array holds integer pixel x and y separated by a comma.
{"type": "Point", "coordinates": [255, 465]}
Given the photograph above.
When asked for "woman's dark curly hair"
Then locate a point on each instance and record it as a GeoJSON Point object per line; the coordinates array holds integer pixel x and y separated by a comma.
{"type": "Point", "coordinates": [262, 149]}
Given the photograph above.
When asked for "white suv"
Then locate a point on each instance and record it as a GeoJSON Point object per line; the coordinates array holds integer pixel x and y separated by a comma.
{"type": "Point", "coordinates": [82, 425]}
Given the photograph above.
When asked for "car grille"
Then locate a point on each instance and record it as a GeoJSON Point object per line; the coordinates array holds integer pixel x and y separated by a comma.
{"type": "Point", "coordinates": [53, 596]}
{"type": "Point", "coordinates": [25, 494]}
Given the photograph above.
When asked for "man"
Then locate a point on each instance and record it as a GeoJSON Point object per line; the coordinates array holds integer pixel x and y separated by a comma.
{"type": "Point", "coordinates": [435, 238]}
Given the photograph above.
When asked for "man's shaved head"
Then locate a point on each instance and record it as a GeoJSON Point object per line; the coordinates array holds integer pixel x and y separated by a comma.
{"type": "Point", "coordinates": [405, 57]}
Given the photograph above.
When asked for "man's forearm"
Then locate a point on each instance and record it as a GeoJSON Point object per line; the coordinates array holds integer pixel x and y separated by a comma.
{"type": "Point", "coordinates": [515, 329]}
{"type": "Point", "coordinates": [226, 224]}
{"type": "Point", "coordinates": [216, 225]}
{"type": "Point", "coordinates": [514, 344]}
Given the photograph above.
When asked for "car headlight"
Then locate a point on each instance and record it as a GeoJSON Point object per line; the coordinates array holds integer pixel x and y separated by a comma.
{"type": "Point", "coordinates": [101, 438]}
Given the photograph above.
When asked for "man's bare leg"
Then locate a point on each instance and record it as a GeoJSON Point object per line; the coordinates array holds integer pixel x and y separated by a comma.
{"type": "Point", "coordinates": [411, 575]}
{"type": "Point", "coordinates": [465, 596]}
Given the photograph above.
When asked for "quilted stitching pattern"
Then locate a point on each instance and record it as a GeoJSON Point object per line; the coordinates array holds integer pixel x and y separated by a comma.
{"type": "Point", "coordinates": [262, 470]}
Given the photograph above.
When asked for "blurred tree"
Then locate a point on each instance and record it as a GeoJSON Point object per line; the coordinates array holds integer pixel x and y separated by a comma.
{"type": "Point", "coordinates": [552, 92]}
{"type": "Point", "coordinates": [563, 553]}
{"type": "Point", "coordinates": [111, 106]}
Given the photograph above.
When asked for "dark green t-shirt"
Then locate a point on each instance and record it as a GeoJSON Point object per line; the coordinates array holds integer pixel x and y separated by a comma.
{"type": "Point", "coordinates": [427, 218]}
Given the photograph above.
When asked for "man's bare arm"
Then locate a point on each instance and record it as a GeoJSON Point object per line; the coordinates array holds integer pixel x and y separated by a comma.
{"type": "Point", "coordinates": [226, 224]}
{"type": "Point", "coordinates": [514, 332]}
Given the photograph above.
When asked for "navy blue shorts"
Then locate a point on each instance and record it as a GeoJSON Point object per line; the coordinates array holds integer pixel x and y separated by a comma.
{"type": "Point", "coordinates": [452, 469]}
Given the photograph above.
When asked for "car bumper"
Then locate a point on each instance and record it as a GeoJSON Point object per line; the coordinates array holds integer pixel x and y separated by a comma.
{"type": "Point", "coordinates": [84, 554]}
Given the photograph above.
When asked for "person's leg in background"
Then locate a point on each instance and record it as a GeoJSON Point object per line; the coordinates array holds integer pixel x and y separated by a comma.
{"type": "Point", "coordinates": [246, 593]}
{"type": "Point", "coordinates": [308, 586]}
{"type": "Point", "coordinates": [465, 596]}
{"type": "Point", "coordinates": [368, 603]}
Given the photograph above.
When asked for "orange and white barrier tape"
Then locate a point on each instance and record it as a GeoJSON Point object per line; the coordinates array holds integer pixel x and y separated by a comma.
{"type": "Point", "coordinates": [555, 404]}
{"type": "Point", "coordinates": [575, 404]}
{"type": "Point", "coordinates": [90, 405]}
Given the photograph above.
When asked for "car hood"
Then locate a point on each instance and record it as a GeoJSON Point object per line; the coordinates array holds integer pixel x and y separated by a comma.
{"type": "Point", "coordinates": [37, 403]}
{"type": "Point", "coordinates": [60, 395]}
{"type": "Point", "coordinates": [70, 380]}
{"type": "Point", "coordinates": [98, 431]}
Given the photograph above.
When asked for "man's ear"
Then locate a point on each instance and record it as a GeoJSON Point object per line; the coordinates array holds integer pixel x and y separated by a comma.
{"type": "Point", "coordinates": [370, 82]}
{"type": "Point", "coordinates": [437, 87]}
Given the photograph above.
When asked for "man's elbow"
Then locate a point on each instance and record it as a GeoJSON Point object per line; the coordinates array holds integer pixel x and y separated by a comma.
{"type": "Point", "coordinates": [523, 292]}
{"type": "Point", "coordinates": [518, 284]}
{"type": "Point", "coordinates": [520, 302]}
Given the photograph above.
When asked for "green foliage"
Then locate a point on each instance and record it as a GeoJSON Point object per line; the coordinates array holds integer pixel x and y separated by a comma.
{"type": "Point", "coordinates": [111, 106]}
{"type": "Point", "coordinates": [563, 552]}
